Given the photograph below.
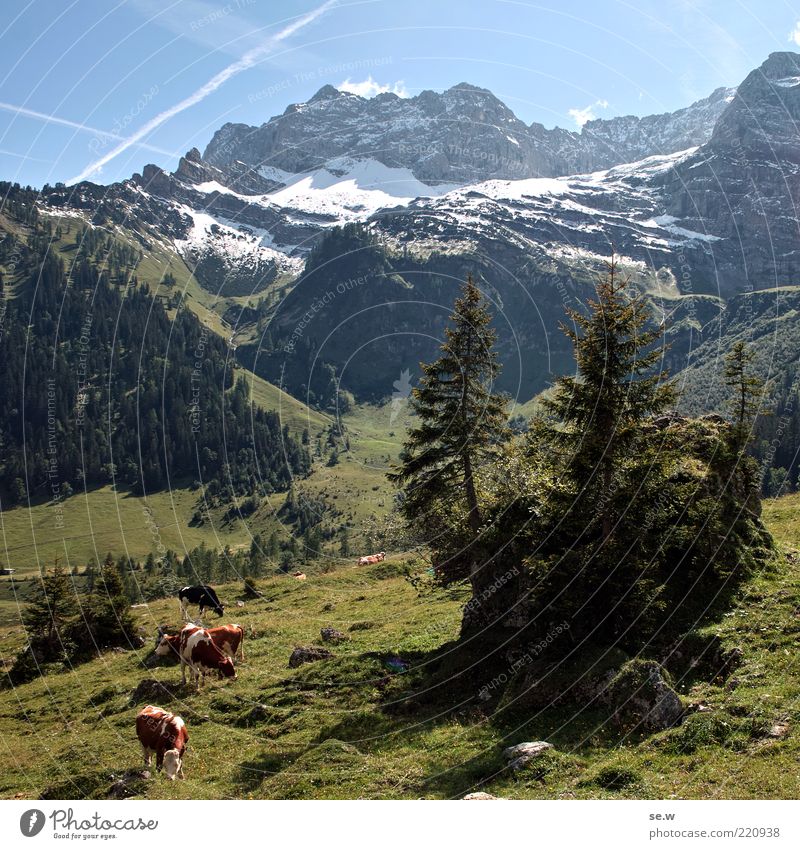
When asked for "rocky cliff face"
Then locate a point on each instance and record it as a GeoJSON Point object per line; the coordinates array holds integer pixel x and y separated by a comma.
{"type": "Point", "coordinates": [744, 184]}
{"type": "Point", "coordinates": [463, 135]}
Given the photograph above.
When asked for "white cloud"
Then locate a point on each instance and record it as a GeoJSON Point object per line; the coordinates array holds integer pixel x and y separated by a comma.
{"type": "Point", "coordinates": [581, 116]}
{"type": "Point", "coordinates": [251, 58]}
{"type": "Point", "coordinates": [369, 87]}
{"type": "Point", "coordinates": [794, 35]}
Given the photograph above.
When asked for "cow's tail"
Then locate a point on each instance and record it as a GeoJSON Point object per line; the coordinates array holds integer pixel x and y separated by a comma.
{"type": "Point", "coordinates": [241, 643]}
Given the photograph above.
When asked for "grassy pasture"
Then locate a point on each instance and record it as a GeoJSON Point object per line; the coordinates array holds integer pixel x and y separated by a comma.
{"type": "Point", "coordinates": [351, 727]}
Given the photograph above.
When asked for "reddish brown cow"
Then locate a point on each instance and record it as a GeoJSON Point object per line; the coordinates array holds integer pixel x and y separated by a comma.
{"type": "Point", "coordinates": [229, 639]}
{"type": "Point", "coordinates": [198, 652]}
{"type": "Point", "coordinates": [165, 734]}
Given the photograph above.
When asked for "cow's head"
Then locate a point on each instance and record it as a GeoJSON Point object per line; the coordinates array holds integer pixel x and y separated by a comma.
{"type": "Point", "coordinates": [167, 644]}
{"type": "Point", "coordinates": [219, 609]}
{"type": "Point", "coordinates": [226, 668]}
{"type": "Point", "coordinates": [172, 763]}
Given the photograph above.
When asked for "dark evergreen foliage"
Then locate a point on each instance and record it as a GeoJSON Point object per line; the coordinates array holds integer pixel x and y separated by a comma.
{"type": "Point", "coordinates": [462, 423]}
{"type": "Point", "coordinates": [100, 384]}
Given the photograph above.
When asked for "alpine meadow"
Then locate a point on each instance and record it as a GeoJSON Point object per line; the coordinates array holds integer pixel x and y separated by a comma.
{"type": "Point", "coordinates": [365, 440]}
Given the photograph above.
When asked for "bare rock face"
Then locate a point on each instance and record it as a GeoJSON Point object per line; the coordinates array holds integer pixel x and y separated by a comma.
{"type": "Point", "coordinates": [739, 185]}
{"type": "Point", "coordinates": [307, 654]}
{"type": "Point", "coordinates": [523, 753]}
{"type": "Point", "coordinates": [462, 135]}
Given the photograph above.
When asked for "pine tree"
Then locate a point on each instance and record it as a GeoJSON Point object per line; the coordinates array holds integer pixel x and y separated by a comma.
{"type": "Point", "coordinates": [107, 612]}
{"type": "Point", "coordinates": [599, 432]}
{"type": "Point", "coordinates": [52, 604]}
{"type": "Point", "coordinates": [747, 389]}
{"type": "Point", "coordinates": [461, 420]}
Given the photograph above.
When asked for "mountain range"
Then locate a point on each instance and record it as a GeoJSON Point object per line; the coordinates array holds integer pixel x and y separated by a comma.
{"type": "Point", "coordinates": [331, 239]}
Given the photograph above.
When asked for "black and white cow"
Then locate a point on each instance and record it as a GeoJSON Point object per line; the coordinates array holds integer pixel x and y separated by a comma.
{"type": "Point", "coordinates": [203, 597]}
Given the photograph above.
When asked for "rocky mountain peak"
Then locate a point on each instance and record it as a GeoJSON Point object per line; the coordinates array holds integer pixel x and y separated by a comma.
{"type": "Point", "coordinates": [327, 92]}
{"type": "Point", "coordinates": [762, 119]}
{"type": "Point", "coordinates": [464, 134]}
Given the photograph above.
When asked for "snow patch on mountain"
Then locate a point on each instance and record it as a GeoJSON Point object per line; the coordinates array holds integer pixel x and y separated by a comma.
{"type": "Point", "coordinates": [241, 247]}
{"type": "Point", "coordinates": [351, 190]}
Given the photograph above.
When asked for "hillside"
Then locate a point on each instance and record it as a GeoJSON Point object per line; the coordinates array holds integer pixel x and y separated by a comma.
{"type": "Point", "coordinates": [351, 727]}
{"type": "Point", "coordinates": [87, 525]}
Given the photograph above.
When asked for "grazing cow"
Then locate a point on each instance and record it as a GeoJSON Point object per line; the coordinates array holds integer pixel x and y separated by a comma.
{"type": "Point", "coordinates": [203, 597]}
{"type": "Point", "coordinates": [198, 652]}
{"type": "Point", "coordinates": [165, 734]}
{"type": "Point", "coordinates": [229, 639]}
{"type": "Point", "coordinates": [369, 559]}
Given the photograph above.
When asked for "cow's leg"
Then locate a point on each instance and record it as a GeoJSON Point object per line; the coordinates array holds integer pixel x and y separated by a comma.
{"type": "Point", "coordinates": [184, 611]}
{"type": "Point", "coordinates": [183, 671]}
{"type": "Point", "coordinates": [147, 755]}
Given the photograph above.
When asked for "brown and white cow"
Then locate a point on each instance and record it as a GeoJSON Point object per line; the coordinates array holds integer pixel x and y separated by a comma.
{"type": "Point", "coordinates": [229, 639]}
{"type": "Point", "coordinates": [165, 734]}
{"type": "Point", "coordinates": [198, 652]}
{"type": "Point", "coordinates": [369, 559]}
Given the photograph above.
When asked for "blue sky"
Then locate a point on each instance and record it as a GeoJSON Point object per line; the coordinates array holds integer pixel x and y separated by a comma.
{"type": "Point", "coordinates": [102, 87]}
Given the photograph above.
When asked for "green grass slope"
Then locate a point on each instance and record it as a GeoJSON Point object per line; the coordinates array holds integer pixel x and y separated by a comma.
{"type": "Point", "coordinates": [350, 727]}
{"type": "Point", "coordinates": [88, 525]}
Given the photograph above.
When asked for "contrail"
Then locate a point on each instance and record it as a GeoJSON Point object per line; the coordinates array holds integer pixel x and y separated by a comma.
{"type": "Point", "coordinates": [247, 61]}
{"type": "Point", "coordinates": [65, 122]}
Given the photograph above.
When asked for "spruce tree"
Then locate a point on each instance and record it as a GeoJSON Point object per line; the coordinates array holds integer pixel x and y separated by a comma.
{"type": "Point", "coordinates": [461, 420]}
{"type": "Point", "coordinates": [52, 604]}
{"type": "Point", "coordinates": [747, 391]}
{"type": "Point", "coordinates": [107, 613]}
{"type": "Point", "coordinates": [599, 415]}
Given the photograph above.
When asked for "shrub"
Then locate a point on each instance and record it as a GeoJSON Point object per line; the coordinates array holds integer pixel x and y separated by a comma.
{"type": "Point", "coordinates": [614, 776]}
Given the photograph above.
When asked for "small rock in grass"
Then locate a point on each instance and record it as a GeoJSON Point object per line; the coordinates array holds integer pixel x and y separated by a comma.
{"type": "Point", "coordinates": [479, 797]}
{"type": "Point", "coordinates": [523, 753]}
{"type": "Point", "coordinates": [332, 635]}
